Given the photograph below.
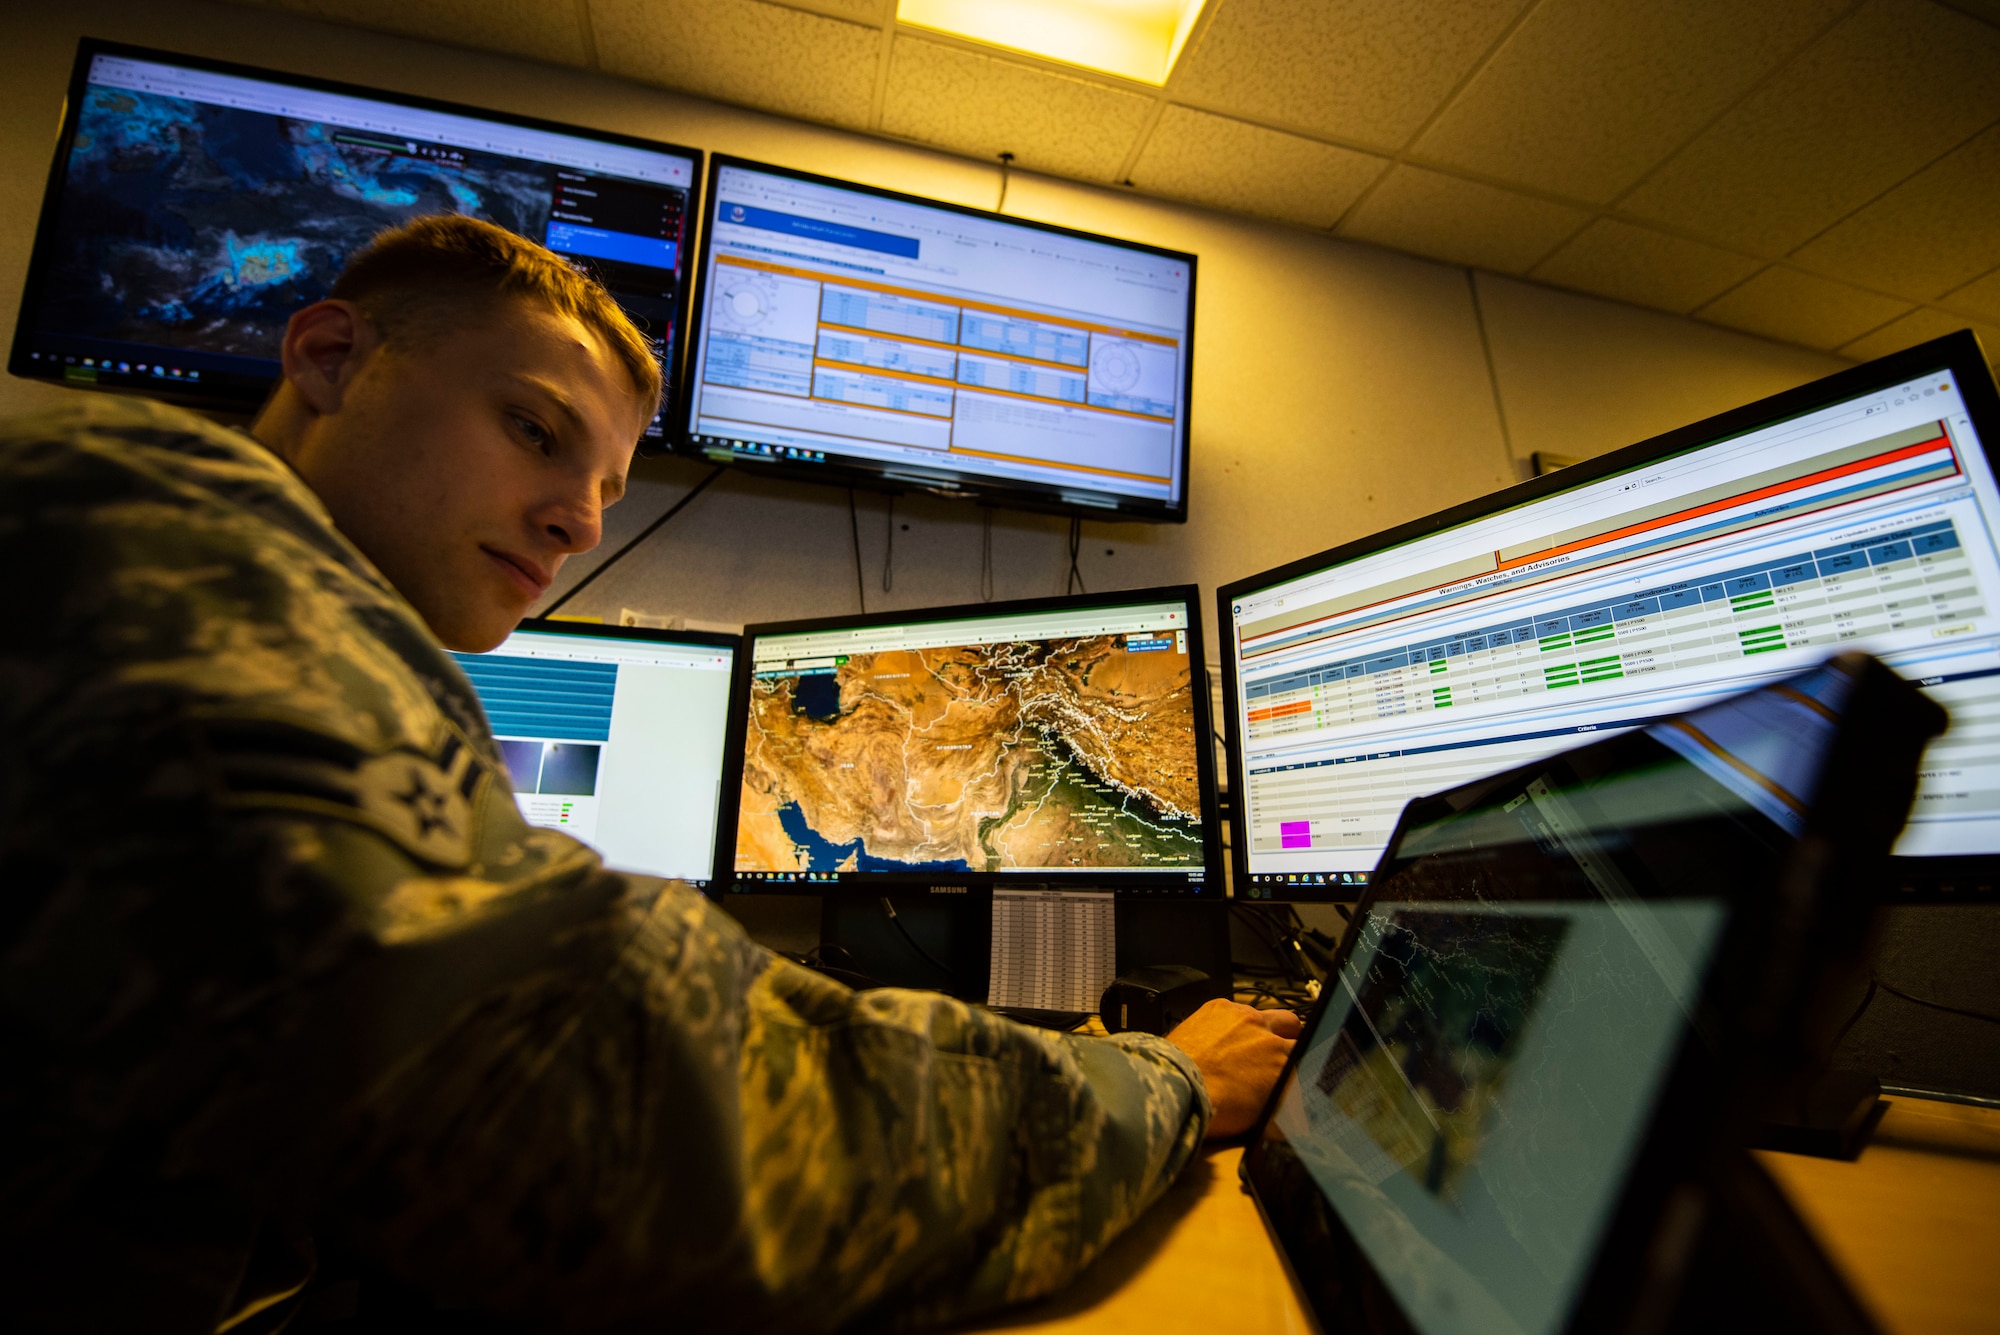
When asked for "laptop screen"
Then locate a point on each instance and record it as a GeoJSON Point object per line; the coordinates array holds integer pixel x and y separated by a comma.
{"type": "Point", "coordinates": [1473, 1096]}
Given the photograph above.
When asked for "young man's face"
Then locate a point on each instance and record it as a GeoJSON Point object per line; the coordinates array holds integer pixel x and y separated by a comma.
{"type": "Point", "coordinates": [470, 468]}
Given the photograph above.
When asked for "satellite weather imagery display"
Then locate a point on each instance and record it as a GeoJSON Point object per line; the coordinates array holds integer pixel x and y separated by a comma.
{"type": "Point", "coordinates": [1054, 754]}
{"type": "Point", "coordinates": [191, 225]}
{"type": "Point", "coordinates": [1423, 1059]}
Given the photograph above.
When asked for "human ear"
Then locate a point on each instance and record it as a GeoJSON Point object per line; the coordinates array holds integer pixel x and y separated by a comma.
{"type": "Point", "coordinates": [324, 346]}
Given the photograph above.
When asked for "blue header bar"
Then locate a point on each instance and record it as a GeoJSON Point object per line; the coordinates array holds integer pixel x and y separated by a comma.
{"type": "Point", "coordinates": [598, 244]}
{"type": "Point", "coordinates": [791, 224]}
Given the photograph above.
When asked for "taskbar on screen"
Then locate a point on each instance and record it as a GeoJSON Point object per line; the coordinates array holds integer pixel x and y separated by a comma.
{"type": "Point", "coordinates": [722, 449]}
{"type": "Point", "coordinates": [1287, 885]}
{"type": "Point", "coordinates": [813, 882]}
{"type": "Point", "coordinates": [109, 364]}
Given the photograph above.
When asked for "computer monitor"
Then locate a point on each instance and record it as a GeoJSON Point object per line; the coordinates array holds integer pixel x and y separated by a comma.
{"type": "Point", "coordinates": [862, 337]}
{"type": "Point", "coordinates": [614, 735]}
{"type": "Point", "coordinates": [1857, 512]}
{"type": "Point", "coordinates": [1057, 744]}
{"type": "Point", "coordinates": [194, 205]}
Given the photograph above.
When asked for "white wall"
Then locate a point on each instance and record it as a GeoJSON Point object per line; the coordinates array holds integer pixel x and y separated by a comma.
{"type": "Point", "coordinates": [1339, 388]}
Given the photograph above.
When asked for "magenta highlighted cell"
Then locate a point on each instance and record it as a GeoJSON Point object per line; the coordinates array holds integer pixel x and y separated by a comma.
{"type": "Point", "coordinates": [1295, 834]}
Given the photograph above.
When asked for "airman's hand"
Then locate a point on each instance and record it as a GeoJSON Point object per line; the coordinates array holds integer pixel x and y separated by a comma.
{"type": "Point", "coordinates": [1239, 1051]}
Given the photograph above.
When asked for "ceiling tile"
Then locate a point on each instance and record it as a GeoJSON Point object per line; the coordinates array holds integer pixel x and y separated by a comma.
{"type": "Point", "coordinates": [1245, 168]}
{"type": "Point", "coordinates": [1802, 308]}
{"type": "Point", "coordinates": [1981, 296]}
{"type": "Point", "coordinates": [542, 29]}
{"type": "Point", "coordinates": [1450, 218]}
{"type": "Point", "coordinates": [872, 12]}
{"type": "Point", "coordinates": [758, 55]}
{"type": "Point", "coordinates": [1930, 234]}
{"type": "Point", "coordinates": [1645, 267]}
{"type": "Point", "coordinates": [1920, 326]}
{"type": "Point", "coordinates": [982, 107]}
{"type": "Point", "coordinates": [1370, 71]}
{"type": "Point", "coordinates": [1885, 92]}
{"type": "Point", "coordinates": [1584, 98]}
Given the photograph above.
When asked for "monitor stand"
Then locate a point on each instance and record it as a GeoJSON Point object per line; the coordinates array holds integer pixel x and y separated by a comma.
{"type": "Point", "coordinates": [935, 942]}
{"type": "Point", "coordinates": [1828, 1117]}
{"type": "Point", "coordinates": [949, 943]}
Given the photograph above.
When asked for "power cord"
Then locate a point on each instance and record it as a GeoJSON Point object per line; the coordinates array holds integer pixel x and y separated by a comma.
{"type": "Point", "coordinates": [1925, 1002]}
{"type": "Point", "coordinates": [889, 546]}
{"type": "Point", "coordinates": [816, 960]}
{"type": "Point", "coordinates": [986, 557]}
{"type": "Point", "coordinates": [1867, 1000]}
{"type": "Point", "coordinates": [1075, 582]}
{"type": "Point", "coordinates": [854, 526]}
{"type": "Point", "coordinates": [1875, 983]}
{"type": "Point", "coordinates": [1283, 945]}
{"type": "Point", "coordinates": [916, 945]}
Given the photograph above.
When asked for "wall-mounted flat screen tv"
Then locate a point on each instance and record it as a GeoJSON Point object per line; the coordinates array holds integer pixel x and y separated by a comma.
{"type": "Point", "coordinates": [194, 205]}
{"type": "Point", "coordinates": [867, 338]}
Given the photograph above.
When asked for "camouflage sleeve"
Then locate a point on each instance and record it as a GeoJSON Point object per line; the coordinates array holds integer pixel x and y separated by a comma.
{"type": "Point", "coordinates": [723, 1135]}
{"type": "Point", "coordinates": [280, 951]}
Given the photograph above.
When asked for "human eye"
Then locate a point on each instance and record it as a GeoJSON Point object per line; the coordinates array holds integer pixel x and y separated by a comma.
{"type": "Point", "coordinates": [533, 433]}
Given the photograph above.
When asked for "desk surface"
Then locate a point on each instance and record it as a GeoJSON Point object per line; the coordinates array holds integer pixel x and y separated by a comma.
{"type": "Point", "coordinates": [1911, 1222]}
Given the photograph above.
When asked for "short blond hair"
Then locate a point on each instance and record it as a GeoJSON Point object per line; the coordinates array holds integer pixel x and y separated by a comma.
{"type": "Point", "coordinates": [412, 281]}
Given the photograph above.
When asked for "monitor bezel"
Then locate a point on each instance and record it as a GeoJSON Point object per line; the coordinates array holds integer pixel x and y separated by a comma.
{"type": "Point", "coordinates": [1010, 495]}
{"type": "Point", "coordinates": [241, 399]}
{"type": "Point", "coordinates": [599, 630]}
{"type": "Point", "coordinates": [1741, 1041]}
{"type": "Point", "coordinates": [1166, 884]}
{"type": "Point", "coordinates": [1913, 879]}
{"type": "Point", "coordinates": [694, 639]}
{"type": "Point", "coordinates": [1672, 1135]}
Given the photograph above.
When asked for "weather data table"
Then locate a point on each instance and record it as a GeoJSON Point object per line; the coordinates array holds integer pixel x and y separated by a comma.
{"type": "Point", "coordinates": [1867, 525]}
{"type": "Point", "coordinates": [1052, 950]}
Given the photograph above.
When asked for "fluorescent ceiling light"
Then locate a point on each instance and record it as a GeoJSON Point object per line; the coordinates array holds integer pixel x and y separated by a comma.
{"type": "Point", "coordinates": [1139, 39]}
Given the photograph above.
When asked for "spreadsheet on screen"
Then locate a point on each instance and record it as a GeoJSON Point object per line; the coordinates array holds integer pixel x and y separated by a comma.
{"type": "Point", "coordinates": [1863, 524]}
{"type": "Point", "coordinates": [938, 347]}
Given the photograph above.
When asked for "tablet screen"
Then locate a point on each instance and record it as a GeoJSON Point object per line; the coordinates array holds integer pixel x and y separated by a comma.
{"type": "Point", "coordinates": [1473, 1097]}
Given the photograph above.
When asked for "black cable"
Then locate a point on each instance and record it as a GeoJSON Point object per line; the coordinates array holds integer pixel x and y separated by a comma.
{"type": "Point", "coordinates": [986, 558]}
{"type": "Point", "coordinates": [932, 960]}
{"type": "Point", "coordinates": [646, 533]}
{"type": "Point", "coordinates": [1295, 999]}
{"type": "Point", "coordinates": [1006, 161]}
{"type": "Point", "coordinates": [1075, 582]}
{"type": "Point", "coordinates": [816, 960]}
{"type": "Point", "coordinates": [1932, 1005]}
{"type": "Point", "coordinates": [889, 547]}
{"type": "Point", "coordinates": [854, 525]}
{"type": "Point", "coordinates": [1867, 998]}
{"type": "Point", "coordinates": [1276, 940]}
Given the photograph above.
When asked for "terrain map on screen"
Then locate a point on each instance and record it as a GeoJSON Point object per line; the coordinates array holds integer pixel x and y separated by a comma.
{"type": "Point", "coordinates": [1057, 754]}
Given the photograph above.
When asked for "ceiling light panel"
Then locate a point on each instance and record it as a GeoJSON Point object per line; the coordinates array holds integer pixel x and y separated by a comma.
{"type": "Point", "coordinates": [1135, 39]}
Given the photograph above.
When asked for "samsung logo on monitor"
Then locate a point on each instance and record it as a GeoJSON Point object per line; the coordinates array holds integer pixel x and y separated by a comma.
{"type": "Point", "coordinates": [947, 889]}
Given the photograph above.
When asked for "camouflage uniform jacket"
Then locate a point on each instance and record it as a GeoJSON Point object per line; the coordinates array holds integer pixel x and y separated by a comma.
{"type": "Point", "coordinates": [282, 960]}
